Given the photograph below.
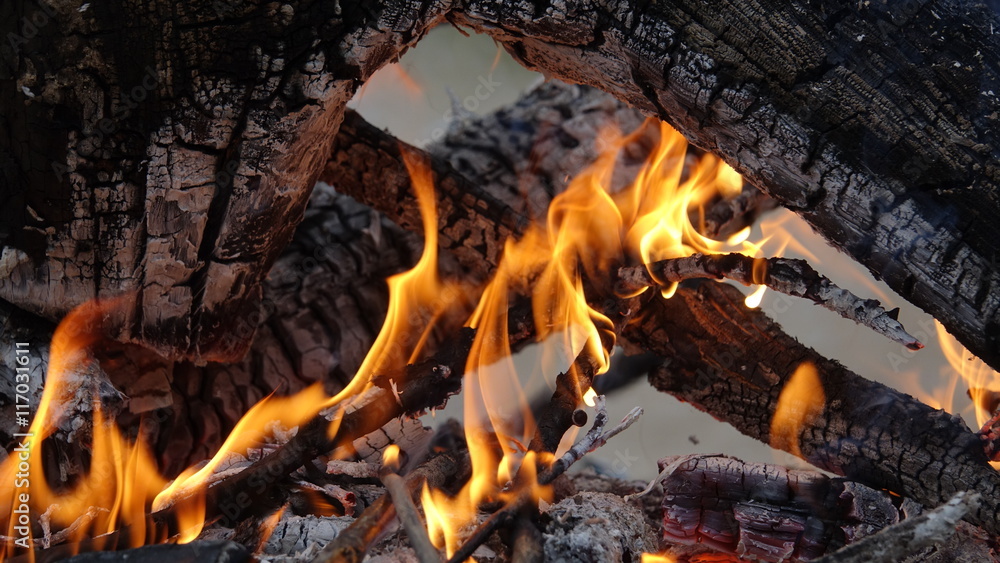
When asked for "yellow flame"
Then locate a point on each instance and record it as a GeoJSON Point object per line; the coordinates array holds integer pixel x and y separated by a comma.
{"type": "Point", "coordinates": [657, 558]}
{"type": "Point", "coordinates": [190, 485]}
{"type": "Point", "coordinates": [445, 517]}
{"type": "Point", "coordinates": [980, 379]}
{"type": "Point", "coordinates": [390, 456]}
{"type": "Point", "coordinates": [589, 398]}
{"type": "Point", "coordinates": [122, 477]}
{"type": "Point", "coordinates": [800, 402]}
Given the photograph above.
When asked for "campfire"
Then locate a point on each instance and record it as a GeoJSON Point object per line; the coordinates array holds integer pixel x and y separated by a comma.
{"type": "Point", "coordinates": [368, 350]}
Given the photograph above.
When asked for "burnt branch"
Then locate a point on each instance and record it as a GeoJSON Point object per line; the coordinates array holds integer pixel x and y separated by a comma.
{"type": "Point", "coordinates": [784, 275]}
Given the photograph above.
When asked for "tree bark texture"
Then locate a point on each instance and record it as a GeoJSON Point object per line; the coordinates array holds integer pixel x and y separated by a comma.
{"type": "Point", "coordinates": [321, 310]}
{"type": "Point", "coordinates": [167, 151]}
{"type": "Point", "coordinates": [877, 122]}
{"type": "Point", "coordinates": [170, 151]}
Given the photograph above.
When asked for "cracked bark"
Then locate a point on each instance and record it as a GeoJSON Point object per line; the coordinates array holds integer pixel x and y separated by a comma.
{"type": "Point", "coordinates": [147, 154]}
{"type": "Point", "coordinates": [167, 152]}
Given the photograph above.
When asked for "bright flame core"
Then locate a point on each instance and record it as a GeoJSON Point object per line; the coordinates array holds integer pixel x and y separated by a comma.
{"type": "Point", "coordinates": [801, 401]}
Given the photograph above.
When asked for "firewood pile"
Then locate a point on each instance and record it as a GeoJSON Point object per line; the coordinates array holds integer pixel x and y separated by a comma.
{"type": "Point", "coordinates": [221, 352]}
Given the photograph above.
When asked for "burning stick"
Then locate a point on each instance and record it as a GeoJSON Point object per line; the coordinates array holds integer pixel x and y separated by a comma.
{"type": "Point", "coordinates": [353, 543]}
{"type": "Point", "coordinates": [401, 494]}
{"type": "Point", "coordinates": [785, 275]}
{"type": "Point", "coordinates": [593, 440]}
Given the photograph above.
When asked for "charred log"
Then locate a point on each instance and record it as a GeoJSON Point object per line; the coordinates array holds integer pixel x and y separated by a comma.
{"type": "Point", "coordinates": [733, 362]}
{"type": "Point", "coordinates": [837, 112]}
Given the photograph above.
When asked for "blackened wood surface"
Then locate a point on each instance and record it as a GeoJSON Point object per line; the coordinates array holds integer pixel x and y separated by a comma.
{"type": "Point", "coordinates": [166, 151]}
{"type": "Point", "coordinates": [733, 362]}
{"type": "Point", "coordinates": [878, 122]}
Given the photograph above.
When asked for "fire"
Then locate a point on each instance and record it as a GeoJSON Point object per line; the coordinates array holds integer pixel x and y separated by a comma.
{"type": "Point", "coordinates": [414, 297]}
{"type": "Point", "coordinates": [800, 402]}
{"type": "Point", "coordinates": [561, 264]}
{"type": "Point", "coordinates": [982, 382]}
{"type": "Point", "coordinates": [588, 231]}
{"type": "Point", "coordinates": [189, 487]}
{"type": "Point", "coordinates": [122, 478]}
{"type": "Point", "coordinates": [657, 558]}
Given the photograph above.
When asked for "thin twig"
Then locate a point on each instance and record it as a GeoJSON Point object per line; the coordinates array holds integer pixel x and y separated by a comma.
{"type": "Point", "coordinates": [414, 525]}
{"type": "Point", "coordinates": [353, 542]}
{"type": "Point", "coordinates": [785, 275]}
{"type": "Point", "coordinates": [593, 440]}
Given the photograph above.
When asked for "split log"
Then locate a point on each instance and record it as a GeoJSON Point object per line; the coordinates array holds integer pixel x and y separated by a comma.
{"type": "Point", "coordinates": [733, 362]}
{"type": "Point", "coordinates": [168, 153]}
{"type": "Point", "coordinates": [877, 122]}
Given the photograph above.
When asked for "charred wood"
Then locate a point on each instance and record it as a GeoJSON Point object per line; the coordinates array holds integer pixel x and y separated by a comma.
{"type": "Point", "coordinates": [784, 275]}
{"type": "Point", "coordinates": [834, 112]}
{"type": "Point", "coordinates": [733, 362]}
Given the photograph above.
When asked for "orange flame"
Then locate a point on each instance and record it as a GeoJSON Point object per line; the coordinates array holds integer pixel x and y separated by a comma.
{"type": "Point", "coordinates": [267, 527]}
{"type": "Point", "coordinates": [122, 478]}
{"type": "Point", "coordinates": [800, 402]}
{"type": "Point", "coordinates": [588, 231]}
{"type": "Point", "coordinates": [980, 378]}
{"type": "Point", "coordinates": [657, 558]}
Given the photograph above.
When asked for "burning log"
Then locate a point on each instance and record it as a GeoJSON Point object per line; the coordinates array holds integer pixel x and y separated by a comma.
{"type": "Point", "coordinates": [973, 466]}
{"type": "Point", "coordinates": [227, 271]}
{"type": "Point", "coordinates": [734, 363]}
{"type": "Point", "coordinates": [777, 90]}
